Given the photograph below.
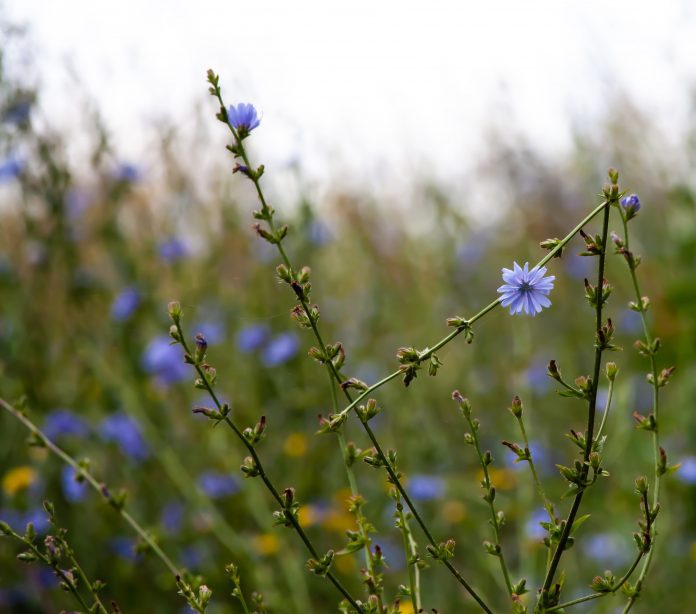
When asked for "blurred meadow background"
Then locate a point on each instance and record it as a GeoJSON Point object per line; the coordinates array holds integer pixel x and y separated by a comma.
{"type": "Point", "coordinates": [413, 150]}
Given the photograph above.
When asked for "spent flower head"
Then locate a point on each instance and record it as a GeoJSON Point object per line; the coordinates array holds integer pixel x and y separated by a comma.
{"type": "Point", "coordinates": [526, 290]}
{"type": "Point", "coordinates": [243, 118]}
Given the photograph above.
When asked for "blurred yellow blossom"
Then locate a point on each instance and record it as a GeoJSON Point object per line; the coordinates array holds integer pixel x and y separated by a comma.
{"type": "Point", "coordinates": [503, 479]}
{"type": "Point", "coordinates": [266, 543]}
{"type": "Point", "coordinates": [453, 511]}
{"type": "Point", "coordinates": [308, 515]}
{"type": "Point", "coordinates": [345, 564]}
{"type": "Point", "coordinates": [18, 479]}
{"type": "Point", "coordinates": [406, 607]}
{"type": "Point", "coordinates": [295, 445]}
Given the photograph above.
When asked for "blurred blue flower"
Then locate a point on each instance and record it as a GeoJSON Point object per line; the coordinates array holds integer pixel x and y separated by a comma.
{"type": "Point", "coordinates": [123, 430]}
{"type": "Point", "coordinates": [172, 517]}
{"type": "Point", "coordinates": [61, 422]}
{"type": "Point", "coordinates": [243, 117]}
{"type": "Point", "coordinates": [426, 487]}
{"type": "Point", "coordinates": [124, 547]}
{"type": "Point", "coordinates": [532, 527]}
{"type": "Point", "coordinates": [125, 303]}
{"type": "Point", "coordinates": [630, 321]}
{"type": "Point", "coordinates": [608, 548]}
{"type": "Point", "coordinates": [126, 172]}
{"type": "Point", "coordinates": [217, 485]}
{"type": "Point", "coordinates": [252, 337]}
{"type": "Point", "coordinates": [318, 233]}
{"type": "Point", "coordinates": [172, 249]}
{"type": "Point", "coordinates": [280, 349]}
{"type": "Point", "coordinates": [526, 290]}
{"type": "Point", "coordinates": [540, 455]}
{"type": "Point", "coordinates": [164, 361]}
{"type": "Point", "coordinates": [194, 556]}
{"type": "Point", "coordinates": [76, 201]}
{"type": "Point", "coordinates": [537, 376]}
{"type": "Point", "coordinates": [213, 331]}
{"type": "Point", "coordinates": [578, 267]}
{"type": "Point", "coordinates": [46, 577]}
{"type": "Point", "coordinates": [18, 113]}
{"type": "Point", "coordinates": [687, 472]}
{"type": "Point", "coordinates": [38, 517]}
{"type": "Point", "coordinates": [73, 490]}
{"type": "Point", "coordinates": [10, 168]}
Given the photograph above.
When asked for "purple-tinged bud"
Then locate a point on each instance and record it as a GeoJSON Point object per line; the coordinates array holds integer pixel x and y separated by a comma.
{"type": "Point", "coordinates": [631, 205]}
{"type": "Point", "coordinates": [516, 407]}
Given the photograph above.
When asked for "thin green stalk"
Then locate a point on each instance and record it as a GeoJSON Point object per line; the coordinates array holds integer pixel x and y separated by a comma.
{"type": "Point", "coordinates": [88, 584]}
{"type": "Point", "coordinates": [551, 572]}
{"type": "Point", "coordinates": [488, 485]}
{"type": "Point", "coordinates": [411, 557]}
{"type": "Point", "coordinates": [537, 482]}
{"type": "Point", "coordinates": [262, 473]}
{"type": "Point", "coordinates": [101, 489]}
{"type": "Point", "coordinates": [656, 432]}
{"type": "Point", "coordinates": [607, 407]}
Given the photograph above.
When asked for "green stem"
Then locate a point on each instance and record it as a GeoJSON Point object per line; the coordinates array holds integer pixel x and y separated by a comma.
{"type": "Point", "coordinates": [551, 572]}
{"type": "Point", "coordinates": [491, 507]}
{"type": "Point", "coordinates": [607, 407]}
{"type": "Point", "coordinates": [537, 482]}
{"type": "Point", "coordinates": [88, 584]}
{"type": "Point", "coordinates": [656, 431]}
{"type": "Point", "coordinates": [262, 473]}
{"type": "Point", "coordinates": [411, 557]}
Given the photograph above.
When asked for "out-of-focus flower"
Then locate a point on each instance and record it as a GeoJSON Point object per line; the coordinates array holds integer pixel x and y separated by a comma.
{"type": "Point", "coordinates": [537, 377]}
{"type": "Point", "coordinates": [125, 304]}
{"type": "Point", "coordinates": [217, 485]}
{"type": "Point", "coordinates": [526, 290]}
{"type": "Point", "coordinates": [172, 249]}
{"type": "Point", "coordinates": [73, 490]}
{"type": "Point", "coordinates": [124, 547]}
{"type": "Point", "coordinates": [123, 430]}
{"type": "Point", "coordinates": [38, 517]}
{"type": "Point", "coordinates": [76, 202]}
{"type": "Point", "coordinates": [252, 337]}
{"type": "Point", "coordinates": [280, 349]}
{"type": "Point", "coordinates": [295, 445]}
{"type": "Point", "coordinates": [608, 548]}
{"type": "Point", "coordinates": [127, 173]}
{"type": "Point", "coordinates": [266, 543]}
{"type": "Point", "coordinates": [532, 527]}
{"type": "Point", "coordinates": [61, 422]}
{"type": "Point", "coordinates": [630, 321]}
{"type": "Point", "coordinates": [687, 472]}
{"type": "Point", "coordinates": [10, 168]}
{"type": "Point", "coordinates": [172, 517]}
{"type": "Point", "coordinates": [18, 478]}
{"type": "Point", "coordinates": [164, 361]}
{"type": "Point", "coordinates": [18, 113]}
{"type": "Point", "coordinates": [426, 487]}
{"type": "Point", "coordinates": [243, 117]}
{"type": "Point", "coordinates": [318, 233]}
{"type": "Point", "coordinates": [577, 266]}
{"type": "Point", "coordinates": [213, 331]}
{"type": "Point", "coordinates": [631, 205]}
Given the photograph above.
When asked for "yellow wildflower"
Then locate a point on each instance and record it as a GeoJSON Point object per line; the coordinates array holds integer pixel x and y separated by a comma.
{"type": "Point", "coordinates": [18, 479]}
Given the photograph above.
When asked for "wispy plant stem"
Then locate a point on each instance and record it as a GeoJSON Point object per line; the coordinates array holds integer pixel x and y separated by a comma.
{"type": "Point", "coordinates": [262, 473]}
{"type": "Point", "coordinates": [535, 476]}
{"type": "Point", "coordinates": [589, 434]}
{"type": "Point", "coordinates": [656, 397]}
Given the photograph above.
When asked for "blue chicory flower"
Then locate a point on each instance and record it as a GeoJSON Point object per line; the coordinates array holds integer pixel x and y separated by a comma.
{"type": "Point", "coordinates": [10, 168]}
{"type": "Point", "coordinates": [526, 290]}
{"type": "Point", "coordinates": [243, 118]}
{"type": "Point", "coordinates": [217, 485]}
{"type": "Point", "coordinates": [172, 517]}
{"type": "Point", "coordinates": [164, 361]}
{"type": "Point", "coordinates": [18, 113]}
{"type": "Point", "coordinates": [687, 471]}
{"type": "Point", "coordinates": [123, 430]}
{"type": "Point", "coordinates": [172, 249]}
{"type": "Point", "coordinates": [126, 172]}
{"type": "Point", "coordinates": [280, 349]}
{"type": "Point", "coordinates": [125, 304]}
{"type": "Point", "coordinates": [73, 490]}
{"type": "Point", "coordinates": [252, 337]}
{"type": "Point", "coordinates": [60, 422]}
{"type": "Point", "coordinates": [426, 487]}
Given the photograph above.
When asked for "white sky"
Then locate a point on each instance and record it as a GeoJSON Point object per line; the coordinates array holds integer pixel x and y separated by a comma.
{"type": "Point", "coordinates": [355, 86]}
